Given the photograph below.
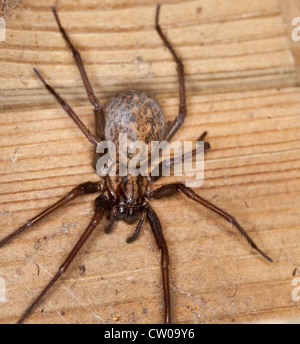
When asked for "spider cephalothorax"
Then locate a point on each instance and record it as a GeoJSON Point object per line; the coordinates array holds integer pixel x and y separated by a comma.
{"type": "Point", "coordinates": [126, 197]}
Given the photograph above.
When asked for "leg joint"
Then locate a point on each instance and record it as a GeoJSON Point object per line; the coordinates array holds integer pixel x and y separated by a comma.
{"type": "Point", "coordinates": [65, 106]}
{"type": "Point", "coordinates": [90, 187]}
{"type": "Point", "coordinates": [164, 258]}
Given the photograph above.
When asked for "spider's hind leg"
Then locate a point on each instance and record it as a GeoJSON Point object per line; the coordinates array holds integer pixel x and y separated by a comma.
{"type": "Point", "coordinates": [177, 123]}
{"type": "Point", "coordinates": [67, 108]}
{"type": "Point", "coordinates": [99, 115]}
{"type": "Point", "coordinates": [157, 172]}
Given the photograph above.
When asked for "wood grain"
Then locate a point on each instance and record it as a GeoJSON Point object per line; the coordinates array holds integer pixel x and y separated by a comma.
{"type": "Point", "coordinates": [7, 6]}
{"type": "Point", "coordinates": [242, 87]}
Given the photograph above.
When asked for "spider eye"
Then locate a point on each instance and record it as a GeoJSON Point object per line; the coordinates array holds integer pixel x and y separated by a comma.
{"type": "Point", "coordinates": [122, 210]}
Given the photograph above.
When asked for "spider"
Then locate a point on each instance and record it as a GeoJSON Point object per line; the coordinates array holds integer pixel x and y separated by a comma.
{"type": "Point", "coordinates": [126, 198]}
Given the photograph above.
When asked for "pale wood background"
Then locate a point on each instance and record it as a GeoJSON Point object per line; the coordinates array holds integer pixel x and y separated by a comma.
{"type": "Point", "coordinates": [243, 88]}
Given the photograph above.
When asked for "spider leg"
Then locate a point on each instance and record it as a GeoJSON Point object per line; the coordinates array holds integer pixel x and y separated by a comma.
{"type": "Point", "coordinates": [171, 189]}
{"type": "Point", "coordinates": [95, 221]}
{"type": "Point", "coordinates": [161, 243]}
{"type": "Point", "coordinates": [99, 115]}
{"type": "Point", "coordinates": [137, 231]}
{"type": "Point", "coordinates": [68, 110]}
{"type": "Point", "coordinates": [157, 172]}
{"type": "Point", "coordinates": [112, 220]}
{"type": "Point", "coordinates": [206, 147]}
{"type": "Point", "coordinates": [85, 188]}
{"type": "Point", "coordinates": [180, 70]}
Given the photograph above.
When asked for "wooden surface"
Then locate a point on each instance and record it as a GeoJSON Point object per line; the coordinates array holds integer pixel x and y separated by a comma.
{"type": "Point", "coordinates": [243, 88]}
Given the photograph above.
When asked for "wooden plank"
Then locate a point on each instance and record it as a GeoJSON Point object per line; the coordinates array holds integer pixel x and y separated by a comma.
{"type": "Point", "coordinates": [7, 6]}
{"type": "Point", "coordinates": [225, 47]}
{"type": "Point", "coordinates": [242, 88]}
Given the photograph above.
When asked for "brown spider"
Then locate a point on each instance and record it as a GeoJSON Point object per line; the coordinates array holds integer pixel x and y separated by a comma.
{"type": "Point", "coordinates": [124, 198]}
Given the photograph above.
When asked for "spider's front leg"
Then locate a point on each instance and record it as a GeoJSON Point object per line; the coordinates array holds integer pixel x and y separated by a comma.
{"type": "Point", "coordinates": [171, 189]}
{"type": "Point", "coordinates": [102, 205]}
{"type": "Point", "coordinates": [81, 189]}
{"type": "Point", "coordinates": [161, 243]}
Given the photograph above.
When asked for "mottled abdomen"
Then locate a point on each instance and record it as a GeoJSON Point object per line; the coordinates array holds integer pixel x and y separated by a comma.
{"type": "Point", "coordinates": [134, 113]}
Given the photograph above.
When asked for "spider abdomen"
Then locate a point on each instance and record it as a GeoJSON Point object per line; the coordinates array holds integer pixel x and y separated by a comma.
{"type": "Point", "coordinates": [135, 114]}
